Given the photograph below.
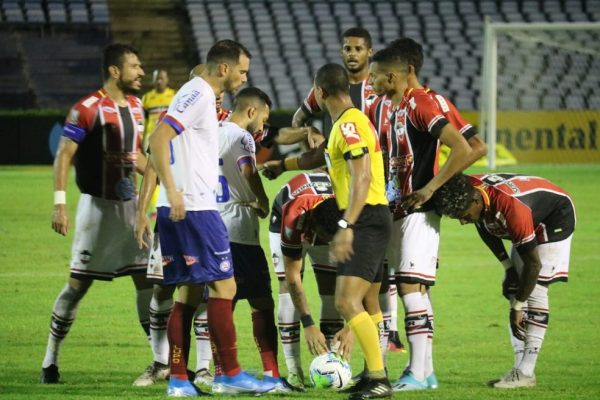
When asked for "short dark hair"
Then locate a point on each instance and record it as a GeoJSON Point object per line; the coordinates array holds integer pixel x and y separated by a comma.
{"type": "Point", "coordinates": [333, 78]}
{"type": "Point", "coordinates": [250, 94]}
{"type": "Point", "coordinates": [113, 55]}
{"type": "Point", "coordinates": [226, 51]}
{"type": "Point", "coordinates": [326, 215]}
{"type": "Point", "coordinates": [454, 197]}
{"type": "Point", "coordinates": [410, 50]}
{"type": "Point", "coordinates": [358, 32]}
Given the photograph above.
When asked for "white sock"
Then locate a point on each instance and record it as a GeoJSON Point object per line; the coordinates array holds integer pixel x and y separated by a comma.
{"type": "Point", "coordinates": [429, 350]}
{"type": "Point", "coordinates": [203, 349]}
{"type": "Point", "coordinates": [393, 300]}
{"type": "Point", "coordinates": [159, 315]}
{"type": "Point", "coordinates": [63, 316]}
{"type": "Point", "coordinates": [536, 323]}
{"type": "Point", "coordinates": [518, 348]}
{"type": "Point", "coordinates": [142, 302]}
{"type": "Point", "coordinates": [289, 331]}
{"type": "Point", "coordinates": [331, 321]}
{"type": "Point", "coordinates": [384, 303]}
{"type": "Point", "coordinates": [416, 325]}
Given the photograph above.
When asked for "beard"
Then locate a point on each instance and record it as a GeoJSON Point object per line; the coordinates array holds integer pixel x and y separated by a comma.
{"type": "Point", "coordinates": [355, 69]}
{"type": "Point", "coordinates": [127, 86]}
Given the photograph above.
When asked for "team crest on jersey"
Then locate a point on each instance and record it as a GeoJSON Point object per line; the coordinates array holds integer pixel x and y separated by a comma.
{"type": "Point", "coordinates": [248, 144]}
{"type": "Point", "coordinates": [85, 256]}
{"type": "Point", "coordinates": [187, 100]}
{"type": "Point", "coordinates": [190, 260]}
{"type": "Point", "coordinates": [322, 186]}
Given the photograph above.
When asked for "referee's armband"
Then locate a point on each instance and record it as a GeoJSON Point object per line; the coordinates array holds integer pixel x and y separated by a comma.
{"type": "Point", "coordinates": [356, 153]}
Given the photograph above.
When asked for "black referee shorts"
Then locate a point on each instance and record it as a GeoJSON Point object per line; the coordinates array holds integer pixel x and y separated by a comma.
{"type": "Point", "coordinates": [372, 232]}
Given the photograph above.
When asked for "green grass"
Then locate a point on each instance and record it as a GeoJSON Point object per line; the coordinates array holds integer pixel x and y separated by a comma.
{"type": "Point", "coordinates": [105, 350]}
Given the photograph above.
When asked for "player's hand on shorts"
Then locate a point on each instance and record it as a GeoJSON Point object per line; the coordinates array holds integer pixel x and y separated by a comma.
{"type": "Point", "coordinates": [510, 284]}
{"type": "Point", "coordinates": [343, 340]}
{"type": "Point", "coordinates": [340, 249]}
{"type": "Point", "coordinates": [60, 219]}
{"type": "Point", "coordinates": [177, 205]}
{"type": "Point", "coordinates": [143, 232]}
{"type": "Point", "coordinates": [260, 208]}
{"type": "Point", "coordinates": [315, 340]}
{"type": "Point", "coordinates": [517, 324]}
{"type": "Point", "coordinates": [272, 169]}
{"type": "Point", "coordinates": [416, 199]}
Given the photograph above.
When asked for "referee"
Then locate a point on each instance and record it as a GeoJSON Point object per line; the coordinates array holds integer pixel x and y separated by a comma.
{"type": "Point", "coordinates": [355, 163]}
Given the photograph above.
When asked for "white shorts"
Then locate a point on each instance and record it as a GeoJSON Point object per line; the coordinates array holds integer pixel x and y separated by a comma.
{"type": "Point", "coordinates": [154, 270]}
{"type": "Point", "coordinates": [319, 256]}
{"type": "Point", "coordinates": [413, 250]}
{"type": "Point", "coordinates": [555, 261]}
{"type": "Point", "coordinates": [104, 246]}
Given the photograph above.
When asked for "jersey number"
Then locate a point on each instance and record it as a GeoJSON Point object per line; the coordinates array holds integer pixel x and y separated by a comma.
{"type": "Point", "coordinates": [223, 193]}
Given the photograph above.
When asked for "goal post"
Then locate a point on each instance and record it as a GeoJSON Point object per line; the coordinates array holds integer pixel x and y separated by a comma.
{"type": "Point", "coordinates": [545, 52]}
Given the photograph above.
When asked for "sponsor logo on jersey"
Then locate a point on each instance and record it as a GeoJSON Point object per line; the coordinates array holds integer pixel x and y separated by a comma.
{"type": "Point", "coordinates": [350, 132]}
{"type": "Point", "coordinates": [187, 100]}
{"type": "Point", "coordinates": [108, 109]}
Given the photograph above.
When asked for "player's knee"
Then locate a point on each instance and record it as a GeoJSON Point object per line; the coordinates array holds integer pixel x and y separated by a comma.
{"type": "Point", "coordinates": [405, 288]}
{"type": "Point", "coordinates": [79, 287]}
{"type": "Point", "coordinates": [262, 304]}
{"type": "Point", "coordinates": [347, 306]}
{"type": "Point", "coordinates": [163, 293]}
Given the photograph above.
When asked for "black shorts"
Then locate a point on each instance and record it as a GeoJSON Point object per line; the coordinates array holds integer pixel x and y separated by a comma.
{"type": "Point", "coordinates": [372, 233]}
{"type": "Point", "coordinates": [251, 271]}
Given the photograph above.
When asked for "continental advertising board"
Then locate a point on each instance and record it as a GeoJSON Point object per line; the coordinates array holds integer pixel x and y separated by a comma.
{"type": "Point", "coordinates": [548, 136]}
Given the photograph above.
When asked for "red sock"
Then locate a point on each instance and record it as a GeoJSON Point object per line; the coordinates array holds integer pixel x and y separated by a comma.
{"type": "Point", "coordinates": [222, 332]}
{"type": "Point", "coordinates": [265, 336]}
{"type": "Point", "coordinates": [216, 361]}
{"type": "Point", "coordinates": [178, 332]}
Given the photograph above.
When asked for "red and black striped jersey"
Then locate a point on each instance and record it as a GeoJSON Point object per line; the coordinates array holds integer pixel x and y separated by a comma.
{"type": "Point", "coordinates": [109, 138]}
{"type": "Point", "coordinates": [291, 205]}
{"type": "Point", "coordinates": [526, 210]}
{"type": "Point", "coordinates": [409, 134]}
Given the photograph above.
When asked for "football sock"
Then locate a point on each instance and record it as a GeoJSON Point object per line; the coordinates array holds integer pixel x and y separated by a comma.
{"type": "Point", "coordinates": [331, 321]}
{"type": "Point", "coordinates": [393, 307]}
{"type": "Point", "coordinates": [222, 332]}
{"type": "Point", "coordinates": [380, 325]}
{"type": "Point", "coordinates": [178, 331]}
{"type": "Point", "coordinates": [142, 301]}
{"type": "Point", "coordinates": [265, 336]}
{"type": "Point", "coordinates": [536, 323]}
{"type": "Point", "coordinates": [63, 315]}
{"type": "Point", "coordinates": [384, 332]}
{"type": "Point", "coordinates": [159, 316]}
{"type": "Point", "coordinates": [368, 337]}
{"type": "Point", "coordinates": [417, 329]}
{"type": "Point", "coordinates": [429, 349]}
{"type": "Point", "coordinates": [288, 320]}
{"type": "Point", "coordinates": [518, 347]}
{"type": "Point", "coordinates": [203, 349]}
{"type": "Point", "coordinates": [215, 355]}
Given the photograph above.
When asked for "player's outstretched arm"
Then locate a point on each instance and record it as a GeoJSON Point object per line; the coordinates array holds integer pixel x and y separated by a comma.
{"type": "Point", "coordinates": [314, 337]}
{"type": "Point", "coordinates": [160, 153]}
{"type": "Point", "coordinates": [64, 159]}
{"type": "Point", "coordinates": [311, 159]}
{"type": "Point", "coordinates": [299, 118]}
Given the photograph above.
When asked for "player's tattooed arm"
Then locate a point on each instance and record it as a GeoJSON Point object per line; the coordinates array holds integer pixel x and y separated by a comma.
{"type": "Point", "coordinates": [62, 164]}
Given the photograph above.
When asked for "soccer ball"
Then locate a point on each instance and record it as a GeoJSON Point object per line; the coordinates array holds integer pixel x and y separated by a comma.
{"type": "Point", "coordinates": [330, 370]}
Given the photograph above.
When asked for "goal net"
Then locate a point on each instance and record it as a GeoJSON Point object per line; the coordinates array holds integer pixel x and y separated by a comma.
{"type": "Point", "coordinates": [540, 92]}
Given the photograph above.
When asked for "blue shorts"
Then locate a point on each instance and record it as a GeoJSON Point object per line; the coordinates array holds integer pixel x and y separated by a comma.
{"type": "Point", "coordinates": [251, 271]}
{"type": "Point", "coordinates": [195, 250]}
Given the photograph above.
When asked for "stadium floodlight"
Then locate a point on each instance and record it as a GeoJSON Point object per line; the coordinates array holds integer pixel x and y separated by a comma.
{"type": "Point", "coordinates": [537, 66]}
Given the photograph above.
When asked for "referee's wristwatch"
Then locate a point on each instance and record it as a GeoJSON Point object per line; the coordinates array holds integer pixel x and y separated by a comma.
{"type": "Point", "coordinates": [343, 224]}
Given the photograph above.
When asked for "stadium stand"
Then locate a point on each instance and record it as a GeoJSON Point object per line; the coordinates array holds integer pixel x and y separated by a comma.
{"type": "Point", "coordinates": [291, 39]}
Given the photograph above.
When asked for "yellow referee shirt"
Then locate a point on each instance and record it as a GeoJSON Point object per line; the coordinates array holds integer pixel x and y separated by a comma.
{"type": "Point", "coordinates": [154, 104]}
{"type": "Point", "coordinates": [353, 136]}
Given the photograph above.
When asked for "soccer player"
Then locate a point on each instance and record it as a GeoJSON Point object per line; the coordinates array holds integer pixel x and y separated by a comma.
{"type": "Point", "coordinates": [193, 239]}
{"type": "Point", "coordinates": [538, 218]}
{"type": "Point", "coordinates": [355, 165]}
{"type": "Point", "coordinates": [102, 138]}
{"type": "Point", "coordinates": [418, 123]}
{"type": "Point", "coordinates": [303, 220]}
{"type": "Point", "coordinates": [156, 101]}
{"type": "Point", "coordinates": [241, 200]}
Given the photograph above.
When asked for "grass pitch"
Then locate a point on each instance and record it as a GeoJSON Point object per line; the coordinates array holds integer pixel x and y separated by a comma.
{"type": "Point", "coordinates": [106, 350]}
